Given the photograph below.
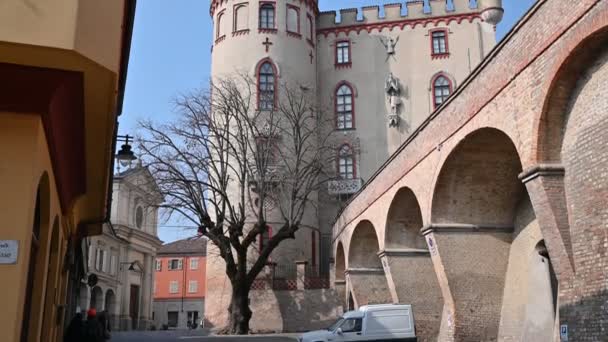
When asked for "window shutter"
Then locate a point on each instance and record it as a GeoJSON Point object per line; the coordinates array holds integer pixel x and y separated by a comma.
{"type": "Point", "coordinates": [180, 264]}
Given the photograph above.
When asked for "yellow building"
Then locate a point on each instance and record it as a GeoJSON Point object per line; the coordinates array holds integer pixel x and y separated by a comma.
{"type": "Point", "coordinates": [63, 69]}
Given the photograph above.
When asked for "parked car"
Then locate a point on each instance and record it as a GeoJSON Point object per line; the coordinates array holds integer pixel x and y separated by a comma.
{"type": "Point", "coordinates": [386, 322]}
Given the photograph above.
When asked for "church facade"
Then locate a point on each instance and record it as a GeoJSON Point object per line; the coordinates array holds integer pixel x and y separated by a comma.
{"type": "Point", "coordinates": [376, 74]}
{"type": "Point", "coordinates": [122, 258]}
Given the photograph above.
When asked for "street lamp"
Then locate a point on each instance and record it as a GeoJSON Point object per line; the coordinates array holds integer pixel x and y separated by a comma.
{"type": "Point", "coordinates": [125, 156]}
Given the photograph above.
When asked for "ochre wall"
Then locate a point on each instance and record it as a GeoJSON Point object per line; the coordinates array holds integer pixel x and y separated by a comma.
{"type": "Point", "coordinates": [25, 159]}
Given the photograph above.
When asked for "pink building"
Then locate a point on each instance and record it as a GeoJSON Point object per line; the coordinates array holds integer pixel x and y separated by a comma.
{"type": "Point", "coordinates": [179, 283]}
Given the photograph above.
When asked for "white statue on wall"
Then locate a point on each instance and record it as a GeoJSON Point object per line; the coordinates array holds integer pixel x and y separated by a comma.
{"type": "Point", "coordinates": [393, 91]}
{"type": "Point", "coordinates": [389, 44]}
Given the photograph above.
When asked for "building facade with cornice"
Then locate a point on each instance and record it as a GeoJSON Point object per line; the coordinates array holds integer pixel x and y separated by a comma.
{"type": "Point", "coordinates": [377, 73]}
{"type": "Point", "coordinates": [122, 258]}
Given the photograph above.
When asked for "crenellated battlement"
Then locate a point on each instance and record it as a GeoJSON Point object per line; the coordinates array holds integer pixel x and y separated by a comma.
{"type": "Point", "coordinates": [417, 12]}
{"type": "Point", "coordinates": [215, 4]}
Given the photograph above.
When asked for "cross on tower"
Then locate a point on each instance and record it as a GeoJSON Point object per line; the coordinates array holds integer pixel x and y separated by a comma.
{"type": "Point", "coordinates": [267, 43]}
{"type": "Point", "coordinates": [311, 57]}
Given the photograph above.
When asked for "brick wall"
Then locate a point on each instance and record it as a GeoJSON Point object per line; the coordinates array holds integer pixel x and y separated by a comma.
{"type": "Point", "coordinates": [546, 83]}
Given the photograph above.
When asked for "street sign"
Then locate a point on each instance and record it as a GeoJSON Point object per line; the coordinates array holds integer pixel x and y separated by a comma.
{"type": "Point", "coordinates": [563, 332]}
{"type": "Point", "coordinates": [9, 250]}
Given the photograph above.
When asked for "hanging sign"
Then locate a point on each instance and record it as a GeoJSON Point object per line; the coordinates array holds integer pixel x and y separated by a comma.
{"type": "Point", "coordinates": [9, 250]}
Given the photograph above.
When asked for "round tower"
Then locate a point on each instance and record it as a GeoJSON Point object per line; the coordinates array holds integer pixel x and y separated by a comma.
{"type": "Point", "coordinates": [248, 34]}
{"type": "Point", "coordinates": [273, 42]}
{"type": "Point", "coordinates": [492, 11]}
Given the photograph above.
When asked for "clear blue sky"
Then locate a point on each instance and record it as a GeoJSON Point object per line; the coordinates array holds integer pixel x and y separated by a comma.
{"type": "Point", "coordinates": [170, 54]}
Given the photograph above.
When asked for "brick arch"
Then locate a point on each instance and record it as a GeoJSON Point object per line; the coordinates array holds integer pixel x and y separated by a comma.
{"type": "Point", "coordinates": [365, 272]}
{"type": "Point", "coordinates": [475, 203]}
{"type": "Point", "coordinates": [340, 261]}
{"type": "Point", "coordinates": [485, 163]}
{"type": "Point", "coordinates": [364, 246]}
{"type": "Point", "coordinates": [551, 123]}
{"type": "Point", "coordinates": [404, 221]}
{"type": "Point", "coordinates": [577, 122]}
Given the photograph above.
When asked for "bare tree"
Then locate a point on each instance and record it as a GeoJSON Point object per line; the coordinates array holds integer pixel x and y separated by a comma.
{"type": "Point", "coordinates": [222, 160]}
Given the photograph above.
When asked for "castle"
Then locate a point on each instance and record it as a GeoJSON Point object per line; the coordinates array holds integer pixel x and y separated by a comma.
{"type": "Point", "coordinates": [379, 73]}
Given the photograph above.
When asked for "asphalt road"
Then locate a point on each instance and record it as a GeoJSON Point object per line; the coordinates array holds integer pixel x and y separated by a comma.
{"type": "Point", "coordinates": [191, 336]}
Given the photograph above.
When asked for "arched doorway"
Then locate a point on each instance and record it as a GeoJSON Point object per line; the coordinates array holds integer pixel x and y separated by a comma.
{"type": "Point", "coordinates": [365, 271]}
{"type": "Point", "coordinates": [37, 269]}
{"type": "Point", "coordinates": [96, 298]}
{"type": "Point", "coordinates": [110, 307]}
{"type": "Point", "coordinates": [475, 203]}
{"type": "Point", "coordinates": [409, 260]}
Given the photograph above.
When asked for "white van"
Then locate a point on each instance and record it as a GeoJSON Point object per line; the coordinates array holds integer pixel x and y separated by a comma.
{"type": "Point", "coordinates": [386, 322]}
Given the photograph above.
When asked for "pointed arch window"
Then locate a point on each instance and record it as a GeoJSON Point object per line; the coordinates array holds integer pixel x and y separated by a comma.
{"type": "Point", "coordinates": [442, 88]}
{"type": "Point", "coordinates": [266, 86]}
{"type": "Point", "coordinates": [346, 162]}
{"type": "Point", "coordinates": [344, 107]}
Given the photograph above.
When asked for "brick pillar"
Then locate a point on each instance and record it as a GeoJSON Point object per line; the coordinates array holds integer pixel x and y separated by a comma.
{"type": "Point", "coordinates": [545, 185]}
{"type": "Point", "coordinates": [446, 329]}
{"type": "Point", "coordinates": [301, 274]}
{"type": "Point", "coordinates": [389, 277]}
{"type": "Point", "coordinates": [474, 259]}
{"type": "Point", "coordinates": [332, 273]}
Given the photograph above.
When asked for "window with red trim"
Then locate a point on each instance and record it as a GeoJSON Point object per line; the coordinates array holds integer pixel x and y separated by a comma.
{"type": "Point", "coordinates": [267, 16]}
{"type": "Point", "coordinates": [293, 19]}
{"type": "Point", "coordinates": [265, 236]}
{"type": "Point", "coordinates": [241, 17]}
{"type": "Point", "coordinates": [439, 42]}
{"type": "Point", "coordinates": [344, 107]}
{"type": "Point", "coordinates": [309, 28]}
{"type": "Point", "coordinates": [442, 88]}
{"type": "Point", "coordinates": [266, 86]}
{"type": "Point", "coordinates": [346, 162]}
{"type": "Point", "coordinates": [219, 31]}
{"type": "Point", "coordinates": [343, 52]}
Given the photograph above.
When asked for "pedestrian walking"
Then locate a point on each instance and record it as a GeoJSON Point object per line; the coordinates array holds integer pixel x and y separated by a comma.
{"type": "Point", "coordinates": [93, 330]}
{"type": "Point", "coordinates": [75, 330]}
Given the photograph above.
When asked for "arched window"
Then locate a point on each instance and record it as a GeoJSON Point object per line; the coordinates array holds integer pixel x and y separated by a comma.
{"type": "Point", "coordinates": [293, 19]}
{"type": "Point", "coordinates": [267, 16]}
{"type": "Point", "coordinates": [309, 27]}
{"type": "Point", "coordinates": [344, 107]}
{"type": "Point", "coordinates": [442, 87]}
{"type": "Point", "coordinates": [266, 86]}
{"type": "Point", "coordinates": [241, 17]}
{"type": "Point", "coordinates": [346, 162]}
{"type": "Point", "coordinates": [219, 31]}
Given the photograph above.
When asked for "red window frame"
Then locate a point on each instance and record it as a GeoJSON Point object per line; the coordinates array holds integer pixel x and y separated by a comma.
{"type": "Point", "coordinates": [311, 29]}
{"type": "Point", "coordinates": [292, 33]}
{"type": "Point", "coordinates": [276, 76]}
{"type": "Point", "coordinates": [353, 158]}
{"type": "Point", "coordinates": [339, 64]}
{"type": "Point", "coordinates": [450, 87]}
{"type": "Point", "coordinates": [274, 19]}
{"type": "Point", "coordinates": [439, 55]}
{"type": "Point", "coordinates": [261, 239]}
{"type": "Point", "coordinates": [235, 8]}
{"type": "Point", "coordinates": [218, 25]}
{"type": "Point", "coordinates": [352, 101]}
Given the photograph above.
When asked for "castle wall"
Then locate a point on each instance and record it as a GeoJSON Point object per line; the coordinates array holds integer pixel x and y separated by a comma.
{"type": "Point", "coordinates": [540, 88]}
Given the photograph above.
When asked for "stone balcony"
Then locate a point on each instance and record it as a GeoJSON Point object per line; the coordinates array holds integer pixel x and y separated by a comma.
{"type": "Point", "coordinates": [344, 186]}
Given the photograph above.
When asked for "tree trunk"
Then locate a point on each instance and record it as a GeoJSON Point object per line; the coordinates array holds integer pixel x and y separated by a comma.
{"type": "Point", "coordinates": [240, 313]}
